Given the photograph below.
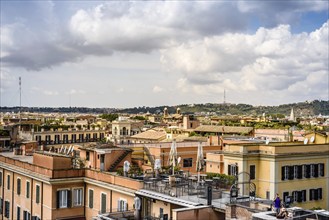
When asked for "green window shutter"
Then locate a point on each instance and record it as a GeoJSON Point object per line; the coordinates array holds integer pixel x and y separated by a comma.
{"type": "Point", "coordinates": [37, 194]}
{"type": "Point", "coordinates": [91, 199]}
{"type": "Point", "coordinates": [18, 186]}
{"type": "Point", "coordinates": [103, 205]}
{"type": "Point", "coordinates": [27, 189]}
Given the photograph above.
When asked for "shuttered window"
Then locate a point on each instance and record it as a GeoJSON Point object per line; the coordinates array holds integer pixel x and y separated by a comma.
{"type": "Point", "coordinates": [314, 170]}
{"type": "Point", "coordinates": [63, 198]}
{"type": "Point", "coordinates": [27, 189]}
{"type": "Point", "coordinates": [122, 205]}
{"type": "Point", "coordinates": [18, 213]}
{"type": "Point", "coordinates": [307, 171]}
{"type": "Point", "coordinates": [18, 186]}
{"type": "Point", "coordinates": [7, 209]}
{"type": "Point", "coordinates": [103, 203]}
{"type": "Point", "coordinates": [252, 172]}
{"type": "Point", "coordinates": [8, 182]}
{"type": "Point", "coordinates": [37, 194]}
{"type": "Point", "coordinates": [77, 197]}
{"type": "Point", "coordinates": [91, 198]}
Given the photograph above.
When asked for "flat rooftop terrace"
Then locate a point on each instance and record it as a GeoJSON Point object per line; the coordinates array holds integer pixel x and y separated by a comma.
{"type": "Point", "coordinates": [23, 158]}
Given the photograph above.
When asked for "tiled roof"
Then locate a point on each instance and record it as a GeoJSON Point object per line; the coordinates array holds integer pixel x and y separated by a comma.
{"type": "Point", "coordinates": [150, 134]}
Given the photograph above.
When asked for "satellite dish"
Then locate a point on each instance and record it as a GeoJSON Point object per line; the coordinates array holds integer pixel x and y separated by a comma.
{"type": "Point", "coordinates": [312, 139]}
{"type": "Point", "coordinates": [60, 151]}
{"type": "Point", "coordinates": [267, 141]}
{"type": "Point", "coordinates": [305, 140]}
{"type": "Point", "coordinates": [179, 159]}
{"type": "Point", "coordinates": [65, 150]}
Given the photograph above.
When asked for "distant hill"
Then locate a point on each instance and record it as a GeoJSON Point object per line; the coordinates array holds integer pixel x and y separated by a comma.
{"type": "Point", "coordinates": [311, 108]}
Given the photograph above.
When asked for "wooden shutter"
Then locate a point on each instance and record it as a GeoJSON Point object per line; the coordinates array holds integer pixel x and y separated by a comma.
{"type": "Point", "coordinates": [299, 171]}
{"type": "Point", "coordinates": [37, 194]}
{"type": "Point", "coordinates": [119, 206]}
{"type": "Point", "coordinates": [291, 172]}
{"type": "Point", "coordinates": [1, 205]}
{"type": "Point", "coordinates": [18, 186]}
{"type": "Point", "coordinates": [57, 199]}
{"type": "Point", "coordinates": [283, 173]}
{"type": "Point", "coordinates": [91, 198]}
{"type": "Point", "coordinates": [321, 169]}
{"type": "Point", "coordinates": [315, 194]}
{"type": "Point", "coordinates": [311, 194]}
{"type": "Point", "coordinates": [316, 170]}
{"type": "Point", "coordinates": [1, 179]}
{"type": "Point", "coordinates": [319, 192]}
{"type": "Point", "coordinates": [68, 198]}
{"type": "Point", "coordinates": [103, 208]}
{"type": "Point", "coordinates": [27, 189]}
{"type": "Point", "coordinates": [307, 171]}
{"type": "Point", "coordinates": [229, 169]}
{"type": "Point", "coordinates": [303, 195]}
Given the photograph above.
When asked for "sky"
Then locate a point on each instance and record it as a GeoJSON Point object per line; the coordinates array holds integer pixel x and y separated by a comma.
{"type": "Point", "coordinates": [119, 54]}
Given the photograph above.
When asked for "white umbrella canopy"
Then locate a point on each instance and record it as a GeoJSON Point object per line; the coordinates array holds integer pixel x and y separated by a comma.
{"type": "Point", "coordinates": [199, 160]}
{"type": "Point", "coordinates": [173, 155]}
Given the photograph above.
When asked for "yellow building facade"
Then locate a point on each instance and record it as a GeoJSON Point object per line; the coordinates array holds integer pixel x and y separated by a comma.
{"type": "Point", "coordinates": [297, 170]}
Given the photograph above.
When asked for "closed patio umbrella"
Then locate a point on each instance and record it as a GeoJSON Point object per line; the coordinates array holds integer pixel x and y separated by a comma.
{"type": "Point", "coordinates": [199, 160]}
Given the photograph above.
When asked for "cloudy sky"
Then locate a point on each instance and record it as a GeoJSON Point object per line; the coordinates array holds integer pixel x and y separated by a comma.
{"type": "Point", "coordinates": [150, 53]}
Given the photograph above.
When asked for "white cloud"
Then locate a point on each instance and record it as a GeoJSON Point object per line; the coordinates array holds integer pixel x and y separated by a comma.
{"type": "Point", "coordinates": [271, 59]}
{"type": "Point", "coordinates": [157, 89]}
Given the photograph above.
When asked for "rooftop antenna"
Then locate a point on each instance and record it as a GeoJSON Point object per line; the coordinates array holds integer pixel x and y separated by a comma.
{"type": "Point", "coordinates": [20, 103]}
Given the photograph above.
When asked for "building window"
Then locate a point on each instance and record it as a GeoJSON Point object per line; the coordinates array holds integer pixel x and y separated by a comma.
{"type": "Point", "coordinates": [285, 195]}
{"type": "Point", "coordinates": [232, 169]}
{"type": "Point", "coordinates": [252, 171]}
{"type": "Point", "coordinates": [7, 209]}
{"type": "Point", "coordinates": [18, 213]}
{"type": "Point", "coordinates": [91, 198]}
{"type": "Point", "coordinates": [35, 218]}
{"type": "Point", "coordinates": [26, 215]}
{"type": "Point", "coordinates": [187, 162]}
{"type": "Point", "coordinates": [122, 205]}
{"type": "Point", "coordinates": [307, 171]}
{"type": "Point", "coordinates": [87, 155]}
{"type": "Point", "coordinates": [103, 203]}
{"type": "Point", "coordinates": [8, 182]}
{"type": "Point", "coordinates": [314, 170]}
{"type": "Point", "coordinates": [18, 186]}
{"type": "Point", "coordinates": [37, 194]}
{"type": "Point", "coordinates": [315, 194]}
{"type": "Point", "coordinates": [299, 196]}
{"type": "Point", "coordinates": [77, 197]}
{"type": "Point", "coordinates": [27, 189]}
{"type": "Point", "coordinates": [63, 198]}
{"type": "Point", "coordinates": [267, 194]}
